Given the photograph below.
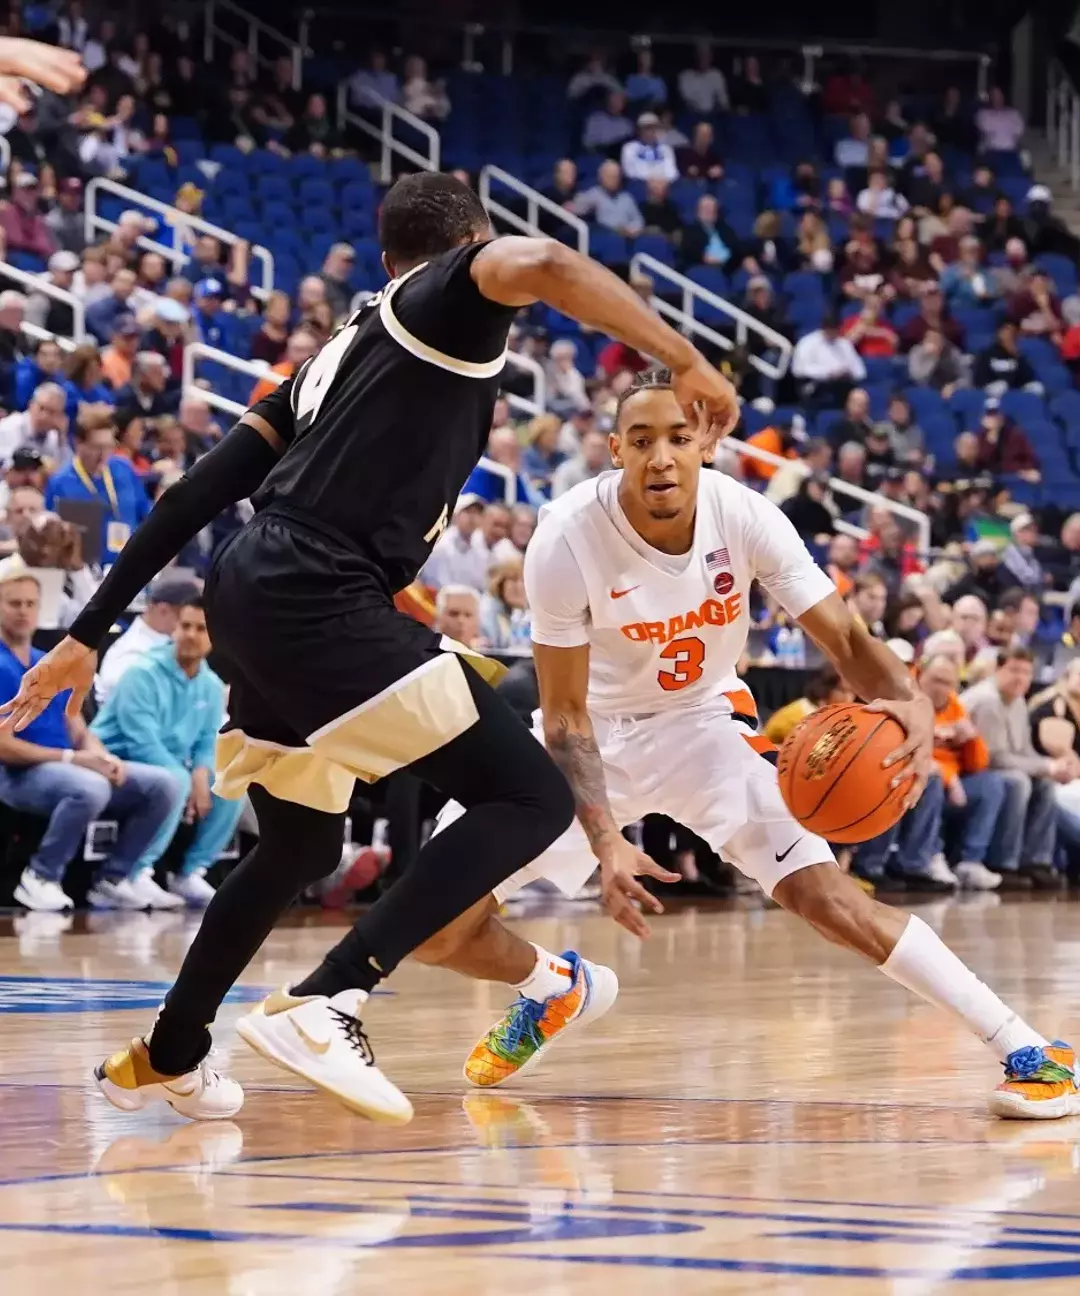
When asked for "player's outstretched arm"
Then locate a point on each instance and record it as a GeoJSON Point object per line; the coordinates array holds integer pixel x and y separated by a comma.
{"type": "Point", "coordinates": [878, 676]}
{"type": "Point", "coordinates": [563, 676]}
{"type": "Point", "coordinates": [517, 271]}
{"type": "Point", "coordinates": [235, 468]}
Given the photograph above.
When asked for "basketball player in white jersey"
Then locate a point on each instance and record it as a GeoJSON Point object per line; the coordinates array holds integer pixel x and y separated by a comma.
{"type": "Point", "coordinates": [639, 585]}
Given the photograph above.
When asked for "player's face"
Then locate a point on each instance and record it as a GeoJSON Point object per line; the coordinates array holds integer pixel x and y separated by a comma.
{"type": "Point", "coordinates": [659, 451]}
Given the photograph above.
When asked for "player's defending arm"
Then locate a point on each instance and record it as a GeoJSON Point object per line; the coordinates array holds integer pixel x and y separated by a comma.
{"type": "Point", "coordinates": [881, 678]}
{"type": "Point", "coordinates": [517, 271]}
{"type": "Point", "coordinates": [232, 470]}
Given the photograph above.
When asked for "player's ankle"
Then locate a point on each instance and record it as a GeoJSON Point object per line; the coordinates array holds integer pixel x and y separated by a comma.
{"type": "Point", "coordinates": [551, 975]}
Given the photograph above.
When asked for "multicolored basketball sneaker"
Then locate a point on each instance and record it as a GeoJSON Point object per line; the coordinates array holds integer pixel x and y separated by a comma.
{"type": "Point", "coordinates": [1040, 1084]}
{"type": "Point", "coordinates": [515, 1043]}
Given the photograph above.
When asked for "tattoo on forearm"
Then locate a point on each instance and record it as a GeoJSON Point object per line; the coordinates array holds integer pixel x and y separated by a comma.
{"type": "Point", "coordinates": [578, 756]}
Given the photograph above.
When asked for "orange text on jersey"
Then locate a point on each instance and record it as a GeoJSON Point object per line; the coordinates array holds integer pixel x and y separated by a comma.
{"type": "Point", "coordinates": [717, 612]}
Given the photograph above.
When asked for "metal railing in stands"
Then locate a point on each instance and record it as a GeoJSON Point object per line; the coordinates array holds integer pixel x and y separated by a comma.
{"type": "Point", "coordinates": [538, 403]}
{"type": "Point", "coordinates": [39, 334]}
{"type": "Point", "coordinates": [196, 351]}
{"type": "Point", "coordinates": [5, 154]}
{"type": "Point", "coordinates": [256, 29]}
{"type": "Point", "coordinates": [535, 203]}
{"type": "Point", "coordinates": [38, 284]}
{"type": "Point", "coordinates": [384, 133]}
{"type": "Point", "coordinates": [836, 484]}
{"type": "Point", "coordinates": [180, 221]}
{"type": "Point", "coordinates": [1063, 121]}
{"type": "Point", "coordinates": [684, 317]}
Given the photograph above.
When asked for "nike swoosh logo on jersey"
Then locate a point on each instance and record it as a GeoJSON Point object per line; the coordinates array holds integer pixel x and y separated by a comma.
{"type": "Point", "coordinates": [314, 1045]}
{"type": "Point", "coordinates": [623, 593]}
{"type": "Point", "coordinates": [780, 858]}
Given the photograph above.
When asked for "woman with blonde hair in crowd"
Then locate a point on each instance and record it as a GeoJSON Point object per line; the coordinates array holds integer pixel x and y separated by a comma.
{"type": "Point", "coordinates": [542, 455]}
{"type": "Point", "coordinates": [814, 246]}
{"type": "Point", "coordinates": [504, 612]}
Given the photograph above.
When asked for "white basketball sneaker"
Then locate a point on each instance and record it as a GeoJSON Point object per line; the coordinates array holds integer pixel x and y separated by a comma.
{"type": "Point", "coordinates": [323, 1041]}
{"type": "Point", "coordinates": [114, 895]}
{"type": "Point", "coordinates": [974, 876]}
{"type": "Point", "coordinates": [192, 888]}
{"type": "Point", "coordinates": [41, 895]}
{"type": "Point", "coordinates": [150, 895]}
{"type": "Point", "coordinates": [129, 1082]}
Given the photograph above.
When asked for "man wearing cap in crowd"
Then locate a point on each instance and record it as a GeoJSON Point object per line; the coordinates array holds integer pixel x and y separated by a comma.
{"type": "Point", "coordinates": [645, 158]}
{"type": "Point", "coordinates": [154, 626]}
{"type": "Point", "coordinates": [66, 222]}
{"type": "Point", "coordinates": [56, 768]}
{"type": "Point", "coordinates": [456, 559]}
{"type": "Point", "coordinates": [22, 222]}
{"type": "Point", "coordinates": [41, 427]}
{"type": "Point", "coordinates": [45, 311]}
{"type": "Point", "coordinates": [1043, 231]}
{"type": "Point", "coordinates": [119, 356]}
{"type": "Point", "coordinates": [1019, 557]}
{"type": "Point", "coordinates": [26, 471]}
{"type": "Point", "coordinates": [336, 272]}
{"type": "Point", "coordinates": [214, 326]}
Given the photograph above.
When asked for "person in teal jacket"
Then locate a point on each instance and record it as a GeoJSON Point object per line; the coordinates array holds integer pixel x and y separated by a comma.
{"type": "Point", "coordinates": [168, 709]}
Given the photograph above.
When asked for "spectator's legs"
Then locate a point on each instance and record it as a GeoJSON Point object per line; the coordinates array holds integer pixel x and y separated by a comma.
{"type": "Point", "coordinates": [71, 797]}
{"type": "Point", "coordinates": [181, 780]}
{"type": "Point", "coordinates": [872, 856]}
{"type": "Point", "coordinates": [212, 835]}
{"type": "Point", "coordinates": [985, 799]}
{"type": "Point", "coordinates": [142, 803]}
{"type": "Point", "coordinates": [1008, 836]}
{"type": "Point", "coordinates": [1068, 823]}
{"type": "Point", "coordinates": [1040, 825]}
{"type": "Point", "coordinates": [920, 830]}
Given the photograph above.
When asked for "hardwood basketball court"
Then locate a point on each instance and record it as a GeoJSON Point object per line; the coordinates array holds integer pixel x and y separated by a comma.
{"type": "Point", "coordinates": [757, 1113]}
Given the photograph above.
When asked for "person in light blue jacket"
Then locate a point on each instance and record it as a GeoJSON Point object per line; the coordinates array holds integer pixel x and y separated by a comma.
{"type": "Point", "coordinates": [168, 708]}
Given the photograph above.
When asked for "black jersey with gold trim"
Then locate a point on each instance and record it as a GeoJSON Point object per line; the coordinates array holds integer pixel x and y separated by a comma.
{"type": "Point", "coordinates": [384, 425]}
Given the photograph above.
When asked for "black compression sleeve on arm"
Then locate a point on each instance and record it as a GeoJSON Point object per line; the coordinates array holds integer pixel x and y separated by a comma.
{"type": "Point", "coordinates": [236, 467]}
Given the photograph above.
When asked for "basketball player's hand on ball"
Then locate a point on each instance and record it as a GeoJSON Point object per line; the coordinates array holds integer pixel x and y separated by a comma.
{"type": "Point", "coordinates": [70, 665]}
{"type": "Point", "coordinates": [621, 890]}
{"type": "Point", "coordinates": [708, 398]}
{"type": "Point", "coordinates": [916, 755]}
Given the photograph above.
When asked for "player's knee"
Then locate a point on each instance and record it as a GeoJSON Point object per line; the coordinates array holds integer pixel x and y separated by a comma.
{"type": "Point", "coordinates": [824, 897]}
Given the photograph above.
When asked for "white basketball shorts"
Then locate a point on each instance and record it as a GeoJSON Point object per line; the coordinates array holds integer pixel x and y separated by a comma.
{"type": "Point", "coordinates": [703, 769]}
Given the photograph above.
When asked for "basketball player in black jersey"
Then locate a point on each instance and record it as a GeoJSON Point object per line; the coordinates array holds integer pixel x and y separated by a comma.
{"type": "Point", "coordinates": [353, 467]}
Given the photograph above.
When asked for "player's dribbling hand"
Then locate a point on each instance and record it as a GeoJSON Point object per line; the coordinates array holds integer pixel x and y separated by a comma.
{"type": "Point", "coordinates": [70, 665]}
{"type": "Point", "coordinates": [48, 66]}
{"type": "Point", "coordinates": [622, 892]}
{"type": "Point", "coordinates": [916, 754]}
{"type": "Point", "coordinates": [706, 395]}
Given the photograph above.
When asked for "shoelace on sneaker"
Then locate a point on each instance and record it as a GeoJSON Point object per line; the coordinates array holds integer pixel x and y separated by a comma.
{"type": "Point", "coordinates": [1031, 1063]}
{"type": "Point", "coordinates": [354, 1035]}
{"type": "Point", "coordinates": [523, 1025]}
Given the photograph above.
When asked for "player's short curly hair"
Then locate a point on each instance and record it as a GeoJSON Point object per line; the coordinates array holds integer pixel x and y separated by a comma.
{"type": "Point", "coordinates": [647, 380]}
{"type": "Point", "coordinates": [428, 213]}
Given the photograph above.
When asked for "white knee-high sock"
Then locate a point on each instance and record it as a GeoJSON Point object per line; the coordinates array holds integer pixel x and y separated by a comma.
{"type": "Point", "coordinates": [924, 964]}
{"type": "Point", "coordinates": [551, 976]}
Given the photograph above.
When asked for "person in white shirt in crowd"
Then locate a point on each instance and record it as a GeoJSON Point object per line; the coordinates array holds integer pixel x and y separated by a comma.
{"type": "Point", "coordinates": [152, 628]}
{"type": "Point", "coordinates": [593, 76]}
{"type": "Point", "coordinates": [457, 614]}
{"type": "Point", "coordinates": [1019, 554]}
{"type": "Point", "coordinates": [852, 151]}
{"type": "Point", "coordinates": [827, 364]}
{"type": "Point", "coordinates": [565, 382]}
{"type": "Point", "coordinates": [1001, 128]}
{"type": "Point", "coordinates": [608, 126]}
{"type": "Point", "coordinates": [425, 99]}
{"type": "Point", "coordinates": [21, 506]}
{"type": "Point", "coordinates": [455, 559]}
{"type": "Point", "coordinates": [45, 311]}
{"type": "Point", "coordinates": [371, 85]}
{"type": "Point", "coordinates": [703, 88]}
{"type": "Point", "coordinates": [609, 204]}
{"type": "Point", "coordinates": [522, 526]}
{"type": "Point", "coordinates": [645, 158]}
{"type": "Point", "coordinates": [42, 426]}
{"type": "Point", "coordinates": [879, 199]}
{"type": "Point", "coordinates": [593, 458]}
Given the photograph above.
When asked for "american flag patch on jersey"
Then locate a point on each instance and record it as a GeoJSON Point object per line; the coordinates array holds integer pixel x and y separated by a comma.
{"type": "Point", "coordinates": [718, 558]}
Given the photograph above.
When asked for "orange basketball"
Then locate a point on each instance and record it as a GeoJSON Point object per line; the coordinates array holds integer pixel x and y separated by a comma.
{"type": "Point", "coordinates": [831, 775]}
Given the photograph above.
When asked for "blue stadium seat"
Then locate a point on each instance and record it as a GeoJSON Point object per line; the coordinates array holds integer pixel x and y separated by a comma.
{"type": "Point", "coordinates": [656, 245]}
{"type": "Point", "coordinates": [967, 407]}
{"type": "Point", "coordinates": [274, 187]}
{"type": "Point", "coordinates": [1025, 407]}
{"type": "Point", "coordinates": [1061, 269]}
{"type": "Point", "coordinates": [927, 404]}
{"type": "Point", "coordinates": [608, 247]}
{"type": "Point", "coordinates": [316, 189]}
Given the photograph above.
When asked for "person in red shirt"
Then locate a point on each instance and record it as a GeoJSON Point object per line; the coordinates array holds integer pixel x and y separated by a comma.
{"type": "Point", "coordinates": [617, 356]}
{"type": "Point", "coordinates": [1037, 311]}
{"type": "Point", "coordinates": [869, 333]}
{"type": "Point", "coordinates": [1003, 446]}
{"type": "Point", "coordinates": [22, 222]}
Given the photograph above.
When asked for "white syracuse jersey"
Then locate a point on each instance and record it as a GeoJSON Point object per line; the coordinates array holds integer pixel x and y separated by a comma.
{"type": "Point", "coordinates": [665, 631]}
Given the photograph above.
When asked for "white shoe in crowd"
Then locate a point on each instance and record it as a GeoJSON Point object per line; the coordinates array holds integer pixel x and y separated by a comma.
{"type": "Point", "coordinates": [939, 870]}
{"type": "Point", "coordinates": [41, 894]}
{"type": "Point", "coordinates": [114, 895]}
{"type": "Point", "coordinates": [150, 895]}
{"type": "Point", "coordinates": [192, 888]}
{"type": "Point", "coordinates": [977, 877]}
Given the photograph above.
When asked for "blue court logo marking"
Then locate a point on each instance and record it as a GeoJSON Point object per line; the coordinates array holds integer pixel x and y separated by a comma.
{"type": "Point", "coordinates": [24, 994]}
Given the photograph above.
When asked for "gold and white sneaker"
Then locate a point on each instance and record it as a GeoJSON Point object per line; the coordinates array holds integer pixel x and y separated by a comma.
{"type": "Point", "coordinates": [129, 1082]}
{"type": "Point", "coordinates": [323, 1041]}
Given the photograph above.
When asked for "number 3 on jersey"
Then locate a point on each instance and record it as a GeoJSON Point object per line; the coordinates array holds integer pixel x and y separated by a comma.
{"type": "Point", "coordinates": [687, 655]}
